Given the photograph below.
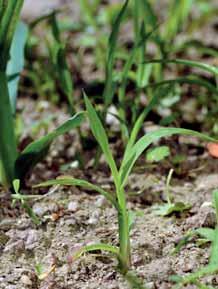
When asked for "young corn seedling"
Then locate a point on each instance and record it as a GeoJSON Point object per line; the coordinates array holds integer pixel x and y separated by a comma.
{"type": "Point", "coordinates": [14, 164]}
{"type": "Point", "coordinates": [120, 177]}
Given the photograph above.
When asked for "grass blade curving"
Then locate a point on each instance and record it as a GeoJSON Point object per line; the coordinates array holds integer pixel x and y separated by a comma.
{"type": "Point", "coordinates": [210, 68]}
{"type": "Point", "coordinates": [69, 181]}
{"type": "Point", "coordinates": [148, 139]}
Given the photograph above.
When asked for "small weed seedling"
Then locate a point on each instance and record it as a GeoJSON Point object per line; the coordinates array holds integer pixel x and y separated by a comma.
{"type": "Point", "coordinates": [212, 267]}
{"type": "Point", "coordinates": [120, 177]}
{"type": "Point", "coordinates": [23, 200]}
{"type": "Point", "coordinates": [170, 207]}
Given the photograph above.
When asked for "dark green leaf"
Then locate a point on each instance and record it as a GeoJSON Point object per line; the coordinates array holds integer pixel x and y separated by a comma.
{"type": "Point", "coordinates": [37, 150]}
{"type": "Point", "coordinates": [8, 150]}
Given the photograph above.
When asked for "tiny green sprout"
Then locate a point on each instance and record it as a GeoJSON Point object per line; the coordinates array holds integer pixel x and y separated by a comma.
{"type": "Point", "coordinates": [41, 273]}
{"type": "Point", "coordinates": [170, 207]}
{"type": "Point", "coordinates": [16, 186]}
{"type": "Point", "coordinates": [23, 200]}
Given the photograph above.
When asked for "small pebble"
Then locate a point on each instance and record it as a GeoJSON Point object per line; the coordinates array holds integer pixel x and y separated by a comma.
{"type": "Point", "coordinates": [100, 202]}
{"type": "Point", "coordinates": [26, 280]}
{"type": "Point", "coordinates": [73, 206]}
{"type": "Point", "coordinates": [93, 220]}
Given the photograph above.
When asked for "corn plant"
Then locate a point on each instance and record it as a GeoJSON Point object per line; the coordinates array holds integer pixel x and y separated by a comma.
{"type": "Point", "coordinates": [14, 164]}
{"type": "Point", "coordinates": [120, 177]}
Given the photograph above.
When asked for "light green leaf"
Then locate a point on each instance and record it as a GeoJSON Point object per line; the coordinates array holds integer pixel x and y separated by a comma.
{"type": "Point", "coordinates": [69, 181]}
{"type": "Point", "coordinates": [101, 137]}
{"type": "Point", "coordinates": [16, 186]}
{"type": "Point", "coordinates": [96, 247]}
{"type": "Point", "coordinates": [16, 63]}
{"type": "Point", "coordinates": [189, 80]}
{"type": "Point", "coordinates": [206, 233]}
{"type": "Point", "coordinates": [168, 209]}
{"type": "Point", "coordinates": [157, 154]}
{"type": "Point", "coordinates": [207, 67]}
{"type": "Point", "coordinates": [214, 250]}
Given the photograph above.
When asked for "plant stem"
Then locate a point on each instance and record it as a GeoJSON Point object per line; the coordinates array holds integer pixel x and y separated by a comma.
{"type": "Point", "coordinates": [124, 238]}
{"type": "Point", "coordinates": [169, 177]}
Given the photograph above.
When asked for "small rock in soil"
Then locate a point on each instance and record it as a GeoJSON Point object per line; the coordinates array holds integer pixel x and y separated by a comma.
{"type": "Point", "coordinates": [26, 280]}
{"type": "Point", "coordinates": [73, 206]}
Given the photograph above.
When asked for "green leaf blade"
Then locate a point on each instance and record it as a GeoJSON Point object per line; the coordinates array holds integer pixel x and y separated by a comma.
{"type": "Point", "coordinates": [101, 137]}
{"type": "Point", "coordinates": [69, 181]}
{"type": "Point", "coordinates": [38, 149]}
{"type": "Point", "coordinates": [148, 139]}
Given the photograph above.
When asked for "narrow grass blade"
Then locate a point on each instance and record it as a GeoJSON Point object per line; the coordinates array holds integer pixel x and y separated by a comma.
{"type": "Point", "coordinates": [101, 137]}
{"type": "Point", "coordinates": [69, 181]}
{"type": "Point", "coordinates": [37, 150]}
{"type": "Point", "coordinates": [112, 44]}
{"type": "Point", "coordinates": [210, 68]}
{"type": "Point", "coordinates": [190, 278]}
{"type": "Point", "coordinates": [189, 80]}
{"type": "Point", "coordinates": [215, 201]}
{"type": "Point", "coordinates": [214, 250]}
{"type": "Point", "coordinates": [148, 139]}
{"type": "Point", "coordinates": [16, 63]}
{"type": "Point", "coordinates": [150, 16]}
{"type": "Point", "coordinates": [96, 247]}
